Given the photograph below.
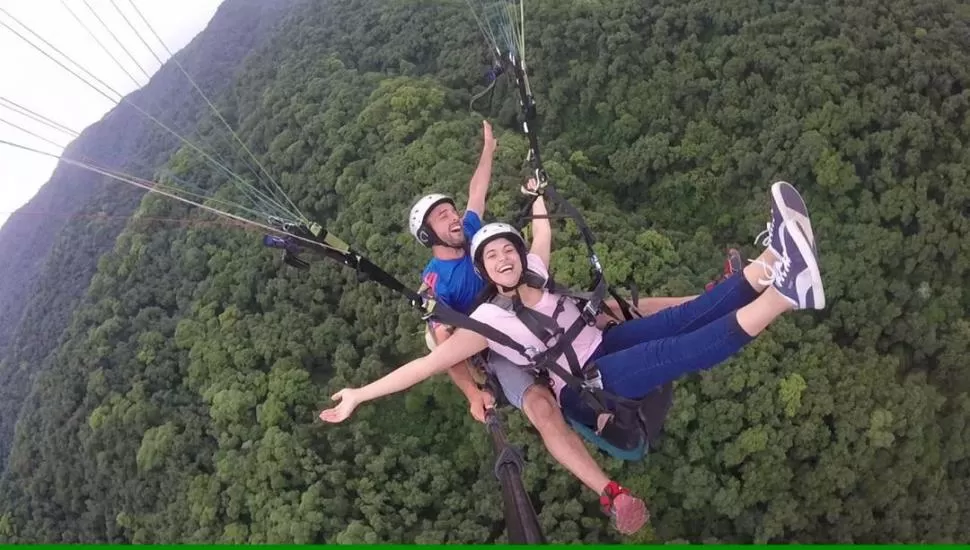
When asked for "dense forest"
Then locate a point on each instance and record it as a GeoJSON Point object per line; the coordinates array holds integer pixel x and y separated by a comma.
{"type": "Point", "coordinates": [52, 245]}
{"type": "Point", "coordinates": [178, 404]}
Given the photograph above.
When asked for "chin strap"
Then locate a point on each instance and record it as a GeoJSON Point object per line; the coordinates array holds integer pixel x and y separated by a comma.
{"type": "Point", "coordinates": [436, 240]}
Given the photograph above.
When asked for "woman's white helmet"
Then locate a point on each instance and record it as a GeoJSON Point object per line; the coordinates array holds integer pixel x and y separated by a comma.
{"type": "Point", "coordinates": [489, 233]}
{"type": "Point", "coordinates": [419, 213]}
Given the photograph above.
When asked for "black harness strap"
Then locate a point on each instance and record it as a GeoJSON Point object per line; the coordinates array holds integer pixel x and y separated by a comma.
{"type": "Point", "coordinates": [629, 311]}
{"type": "Point", "coordinates": [585, 378]}
{"type": "Point", "coordinates": [451, 317]}
{"type": "Point", "coordinates": [326, 243]}
{"type": "Point", "coordinates": [550, 332]}
{"type": "Point", "coordinates": [539, 360]}
{"type": "Point", "coordinates": [547, 329]}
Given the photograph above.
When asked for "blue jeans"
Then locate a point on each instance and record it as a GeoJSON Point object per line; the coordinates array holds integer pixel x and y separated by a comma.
{"type": "Point", "coordinates": [639, 355]}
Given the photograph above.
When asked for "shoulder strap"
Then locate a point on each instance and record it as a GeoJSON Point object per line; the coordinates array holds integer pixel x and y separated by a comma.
{"type": "Point", "coordinates": [540, 325]}
{"type": "Point", "coordinates": [451, 317]}
{"type": "Point", "coordinates": [589, 302]}
{"type": "Point", "coordinates": [502, 302]}
{"type": "Point", "coordinates": [534, 280]}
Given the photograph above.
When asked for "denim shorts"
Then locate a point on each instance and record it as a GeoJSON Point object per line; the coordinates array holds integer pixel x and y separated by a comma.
{"type": "Point", "coordinates": [515, 379]}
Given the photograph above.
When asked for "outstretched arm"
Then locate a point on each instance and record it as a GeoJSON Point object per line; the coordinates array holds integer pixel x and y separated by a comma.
{"type": "Point", "coordinates": [460, 346]}
{"type": "Point", "coordinates": [478, 187]}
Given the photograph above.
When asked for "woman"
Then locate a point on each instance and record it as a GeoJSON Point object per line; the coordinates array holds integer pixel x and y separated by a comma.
{"type": "Point", "coordinates": [636, 356]}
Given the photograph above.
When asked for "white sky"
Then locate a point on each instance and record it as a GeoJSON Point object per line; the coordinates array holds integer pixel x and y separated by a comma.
{"type": "Point", "coordinates": [33, 81]}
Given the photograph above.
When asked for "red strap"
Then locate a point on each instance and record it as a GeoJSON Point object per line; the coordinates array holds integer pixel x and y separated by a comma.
{"type": "Point", "coordinates": [610, 492]}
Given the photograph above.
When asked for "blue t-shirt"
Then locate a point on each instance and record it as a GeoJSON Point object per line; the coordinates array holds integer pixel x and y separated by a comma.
{"type": "Point", "coordinates": [455, 282]}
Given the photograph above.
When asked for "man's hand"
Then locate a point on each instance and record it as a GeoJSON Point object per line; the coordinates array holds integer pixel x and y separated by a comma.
{"type": "Point", "coordinates": [478, 186]}
{"type": "Point", "coordinates": [491, 144]}
{"type": "Point", "coordinates": [479, 402]}
{"type": "Point", "coordinates": [604, 320]}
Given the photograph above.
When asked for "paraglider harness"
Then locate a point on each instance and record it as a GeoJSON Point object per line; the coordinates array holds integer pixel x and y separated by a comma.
{"type": "Point", "coordinates": [635, 423]}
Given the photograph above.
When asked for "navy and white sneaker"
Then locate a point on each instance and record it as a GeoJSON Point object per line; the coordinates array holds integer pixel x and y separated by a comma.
{"type": "Point", "coordinates": [786, 205]}
{"type": "Point", "coordinates": [796, 275]}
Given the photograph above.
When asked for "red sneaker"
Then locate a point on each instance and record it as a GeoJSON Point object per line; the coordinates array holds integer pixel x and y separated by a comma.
{"type": "Point", "coordinates": [732, 265]}
{"type": "Point", "coordinates": [629, 513]}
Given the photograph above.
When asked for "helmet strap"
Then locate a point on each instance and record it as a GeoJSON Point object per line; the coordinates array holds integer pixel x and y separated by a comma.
{"type": "Point", "coordinates": [433, 239]}
{"type": "Point", "coordinates": [429, 238]}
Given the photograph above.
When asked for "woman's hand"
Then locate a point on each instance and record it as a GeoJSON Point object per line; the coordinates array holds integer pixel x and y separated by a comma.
{"type": "Point", "coordinates": [349, 399]}
{"type": "Point", "coordinates": [532, 187]}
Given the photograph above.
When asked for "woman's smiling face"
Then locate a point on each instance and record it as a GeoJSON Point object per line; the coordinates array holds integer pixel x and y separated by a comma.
{"type": "Point", "coordinates": [502, 262]}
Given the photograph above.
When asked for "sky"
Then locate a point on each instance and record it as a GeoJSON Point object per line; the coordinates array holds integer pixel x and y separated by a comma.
{"type": "Point", "coordinates": [31, 80]}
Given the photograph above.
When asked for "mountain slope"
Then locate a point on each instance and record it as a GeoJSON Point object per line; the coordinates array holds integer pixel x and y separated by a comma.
{"type": "Point", "coordinates": [48, 261]}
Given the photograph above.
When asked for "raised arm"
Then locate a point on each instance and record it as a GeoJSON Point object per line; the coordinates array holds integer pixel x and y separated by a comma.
{"type": "Point", "coordinates": [478, 187]}
{"type": "Point", "coordinates": [460, 346]}
{"type": "Point", "coordinates": [541, 226]}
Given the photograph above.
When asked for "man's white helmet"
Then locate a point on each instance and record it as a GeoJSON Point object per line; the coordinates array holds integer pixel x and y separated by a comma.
{"type": "Point", "coordinates": [489, 233]}
{"type": "Point", "coordinates": [419, 213]}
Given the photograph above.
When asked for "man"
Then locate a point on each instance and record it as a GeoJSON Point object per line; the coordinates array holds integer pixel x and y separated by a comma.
{"type": "Point", "coordinates": [449, 275]}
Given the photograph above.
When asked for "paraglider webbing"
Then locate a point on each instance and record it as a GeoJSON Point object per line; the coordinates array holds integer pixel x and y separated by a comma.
{"type": "Point", "coordinates": [328, 244]}
{"type": "Point", "coordinates": [521, 520]}
{"type": "Point", "coordinates": [268, 198]}
{"type": "Point", "coordinates": [502, 23]}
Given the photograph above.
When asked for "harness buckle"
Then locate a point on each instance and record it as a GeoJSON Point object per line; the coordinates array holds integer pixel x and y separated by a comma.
{"type": "Point", "coordinates": [531, 353]}
{"type": "Point", "coordinates": [428, 304]}
{"type": "Point", "coordinates": [592, 377]}
{"type": "Point", "coordinates": [553, 339]}
{"type": "Point", "coordinates": [590, 312]}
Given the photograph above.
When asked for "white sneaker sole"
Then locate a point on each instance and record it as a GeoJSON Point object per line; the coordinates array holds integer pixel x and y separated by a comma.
{"type": "Point", "coordinates": [811, 263]}
{"type": "Point", "coordinates": [789, 214]}
{"type": "Point", "coordinates": [633, 512]}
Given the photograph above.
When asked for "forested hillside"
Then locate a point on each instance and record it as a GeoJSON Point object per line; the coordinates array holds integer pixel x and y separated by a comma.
{"type": "Point", "coordinates": [50, 248]}
{"type": "Point", "coordinates": [180, 405]}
